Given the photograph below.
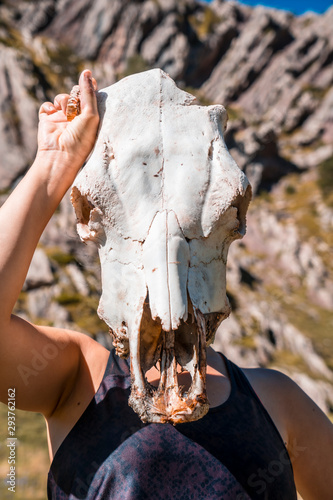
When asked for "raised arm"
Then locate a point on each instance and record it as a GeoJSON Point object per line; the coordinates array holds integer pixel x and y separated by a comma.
{"type": "Point", "coordinates": [62, 149]}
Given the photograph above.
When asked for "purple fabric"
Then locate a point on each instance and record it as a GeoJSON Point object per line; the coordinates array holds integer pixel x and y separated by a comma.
{"type": "Point", "coordinates": [111, 454]}
{"type": "Point", "coordinates": [158, 463]}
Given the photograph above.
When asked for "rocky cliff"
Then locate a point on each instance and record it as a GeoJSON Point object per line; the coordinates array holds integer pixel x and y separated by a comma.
{"type": "Point", "coordinates": [273, 72]}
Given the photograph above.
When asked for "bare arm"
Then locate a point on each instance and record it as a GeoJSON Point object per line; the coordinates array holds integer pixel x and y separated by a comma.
{"type": "Point", "coordinates": [62, 149]}
{"type": "Point", "coordinates": [305, 429]}
{"type": "Point", "coordinates": [310, 444]}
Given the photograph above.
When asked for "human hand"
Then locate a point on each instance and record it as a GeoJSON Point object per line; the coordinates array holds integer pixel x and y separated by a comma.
{"type": "Point", "coordinates": [70, 142]}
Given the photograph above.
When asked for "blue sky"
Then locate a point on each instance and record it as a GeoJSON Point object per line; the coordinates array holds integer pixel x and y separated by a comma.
{"type": "Point", "coordinates": [298, 7]}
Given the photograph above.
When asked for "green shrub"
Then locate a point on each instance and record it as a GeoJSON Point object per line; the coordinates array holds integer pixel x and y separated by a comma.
{"type": "Point", "coordinates": [135, 64]}
{"type": "Point", "coordinates": [60, 257]}
{"type": "Point", "coordinates": [66, 298]}
{"type": "Point", "coordinates": [290, 189]}
{"type": "Point", "coordinates": [325, 180]}
{"type": "Point", "coordinates": [206, 24]}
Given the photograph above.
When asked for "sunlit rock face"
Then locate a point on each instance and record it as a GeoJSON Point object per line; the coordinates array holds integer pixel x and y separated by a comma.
{"type": "Point", "coordinates": [162, 198]}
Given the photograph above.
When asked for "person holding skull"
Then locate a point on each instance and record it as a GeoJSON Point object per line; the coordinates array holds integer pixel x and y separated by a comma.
{"type": "Point", "coordinates": [252, 433]}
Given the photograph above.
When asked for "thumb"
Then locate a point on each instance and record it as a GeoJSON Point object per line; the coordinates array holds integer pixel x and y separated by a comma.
{"type": "Point", "coordinates": [87, 93]}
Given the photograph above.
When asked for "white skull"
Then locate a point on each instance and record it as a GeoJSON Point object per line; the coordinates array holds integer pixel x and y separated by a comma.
{"type": "Point", "coordinates": [163, 199]}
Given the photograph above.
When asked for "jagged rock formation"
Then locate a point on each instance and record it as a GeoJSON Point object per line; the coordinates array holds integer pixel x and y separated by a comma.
{"type": "Point", "coordinates": [274, 73]}
{"type": "Point", "coordinates": [267, 66]}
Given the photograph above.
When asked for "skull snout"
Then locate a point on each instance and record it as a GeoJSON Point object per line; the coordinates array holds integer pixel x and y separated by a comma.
{"type": "Point", "coordinates": [166, 258]}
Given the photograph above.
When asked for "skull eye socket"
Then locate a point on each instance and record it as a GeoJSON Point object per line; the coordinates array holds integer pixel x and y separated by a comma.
{"type": "Point", "coordinates": [86, 208]}
{"type": "Point", "coordinates": [88, 217]}
{"type": "Point", "coordinates": [82, 205]}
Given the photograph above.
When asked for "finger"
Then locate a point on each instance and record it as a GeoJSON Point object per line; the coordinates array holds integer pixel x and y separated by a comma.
{"type": "Point", "coordinates": [87, 92]}
{"type": "Point", "coordinates": [60, 102]}
{"type": "Point", "coordinates": [47, 108]}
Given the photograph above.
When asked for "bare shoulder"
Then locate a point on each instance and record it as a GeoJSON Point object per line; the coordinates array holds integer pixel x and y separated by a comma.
{"type": "Point", "coordinates": [44, 364]}
{"type": "Point", "coordinates": [305, 429]}
{"type": "Point", "coordinates": [84, 374]}
{"type": "Point", "coordinates": [266, 377]}
{"type": "Point", "coordinates": [272, 387]}
{"type": "Point", "coordinates": [277, 389]}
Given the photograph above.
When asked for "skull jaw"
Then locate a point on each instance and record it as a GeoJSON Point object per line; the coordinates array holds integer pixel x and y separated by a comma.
{"type": "Point", "coordinates": [148, 345]}
{"type": "Point", "coordinates": [168, 407]}
{"type": "Point", "coordinates": [169, 403]}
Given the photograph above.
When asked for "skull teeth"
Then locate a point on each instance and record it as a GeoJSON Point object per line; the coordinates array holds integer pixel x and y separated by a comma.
{"type": "Point", "coordinates": [169, 402]}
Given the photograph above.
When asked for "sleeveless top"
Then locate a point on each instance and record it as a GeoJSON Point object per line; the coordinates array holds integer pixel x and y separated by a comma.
{"type": "Point", "coordinates": [234, 452]}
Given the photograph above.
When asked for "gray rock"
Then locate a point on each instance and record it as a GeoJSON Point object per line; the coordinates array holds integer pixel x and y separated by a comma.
{"type": "Point", "coordinates": [294, 341]}
{"type": "Point", "coordinates": [41, 306]}
{"type": "Point", "coordinates": [154, 45]}
{"type": "Point", "coordinates": [40, 272]}
{"type": "Point", "coordinates": [58, 315]}
{"type": "Point", "coordinates": [18, 122]}
{"type": "Point", "coordinates": [311, 159]}
{"type": "Point", "coordinates": [78, 279]}
{"type": "Point", "coordinates": [248, 56]}
{"type": "Point", "coordinates": [38, 302]}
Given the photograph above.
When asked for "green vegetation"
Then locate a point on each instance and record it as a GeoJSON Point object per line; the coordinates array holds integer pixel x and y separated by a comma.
{"type": "Point", "coordinates": [201, 99]}
{"type": "Point", "coordinates": [21, 301]}
{"type": "Point", "coordinates": [301, 205]}
{"type": "Point", "coordinates": [85, 316]}
{"type": "Point", "coordinates": [59, 256]}
{"type": "Point", "coordinates": [247, 341]}
{"type": "Point", "coordinates": [234, 113]}
{"type": "Point", "coordinates": [68, 298]}
{"type": "Point", "coordinates": [298, 200]}
{"type": "Point", "coordinates": [63, 65]}
{"type": "Point", "coordinates": [290, 189]}
{"type": "Point", "coordinates": [313, 321]}
{"type": "Point", "coordinates": [264, 196]}
{"type": "Point", "coordinates": [287, 360]}
{"type": "Point", "coordinates": [12, 37]}
{"type": "Point", "coordinates": [53, 70]}
{"type": "Point", "coordinates": [204, 24]}
{"type": "Point", "coordinates": [135, 64]}
{"type": "Point", "coordinates": [82, 310]}
{"type": "Point", "coordinates": [307, 22]}
{"type": "Point", "coordinates": [32, 460]}
{"type": "Point", "coordinates": [11, 116]}
{"type": "Point", "coordinates": [316, 92]}
{"type": "Point", "coordinates": [325, 180]}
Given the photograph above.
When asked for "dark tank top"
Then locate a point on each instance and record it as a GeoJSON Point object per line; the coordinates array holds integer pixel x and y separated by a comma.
{"type": "Point", "coordinates": [233, 453]}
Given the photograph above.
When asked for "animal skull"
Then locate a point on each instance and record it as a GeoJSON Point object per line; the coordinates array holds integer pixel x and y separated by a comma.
{"type": "Point", "coordinates": [162, 198]}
